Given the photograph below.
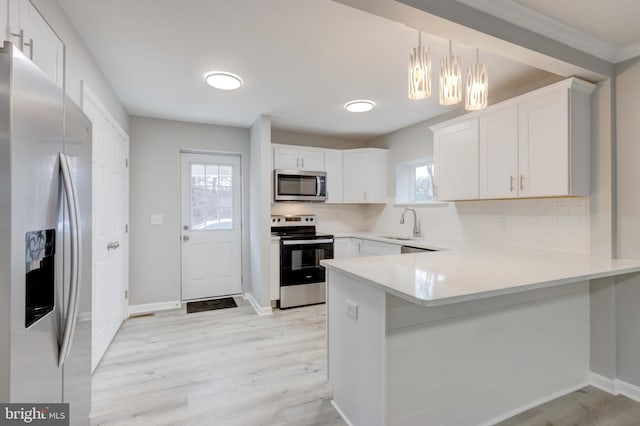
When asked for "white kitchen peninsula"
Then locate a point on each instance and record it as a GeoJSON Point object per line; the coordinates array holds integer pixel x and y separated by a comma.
{"type": "Point", "coordinates": [465, 336]}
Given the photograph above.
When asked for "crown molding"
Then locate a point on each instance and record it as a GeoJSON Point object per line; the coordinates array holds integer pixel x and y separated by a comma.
{"type": "Point", "coordinates": [540, 23]}
{"type": "Point", "coordinates": [628, 52]}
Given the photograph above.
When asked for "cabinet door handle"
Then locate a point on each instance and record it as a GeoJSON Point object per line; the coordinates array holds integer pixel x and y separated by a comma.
{"type": "Point", "coordinates": [20, 36]}
{"type": "Point", "coordinates": [521, 182]}
{"type": "Point", "coordinates": [297, 163]}
{"type": "Point", "coordinates": [302, 159]}
{"type": "Point", "coordinates": [511, 183]}
{"type": "Point", "coordinates": [435, 190]}
{"type": "Point", "coordinates": [30, 44]}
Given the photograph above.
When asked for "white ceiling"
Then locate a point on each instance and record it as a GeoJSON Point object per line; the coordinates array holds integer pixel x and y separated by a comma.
{"type": "Point", "coordinates": [607, 29]}
{"type": "Point", "coordinates": [301, 61]}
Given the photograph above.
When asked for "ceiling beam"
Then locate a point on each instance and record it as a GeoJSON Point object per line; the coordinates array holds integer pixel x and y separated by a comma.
{"type": "Point", "coordinates": [464, 24]}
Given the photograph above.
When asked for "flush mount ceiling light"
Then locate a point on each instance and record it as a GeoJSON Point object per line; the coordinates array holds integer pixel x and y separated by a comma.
{"type": "Point", "coordinates": [477, 85]}
{"type": "Point", "coordinates": [420, 71]}
{"type": "Point", "coordinates": [450, 79]}
{"type": "Point", "coordinates": [223, 80]}
{"type": "Point", "coordinates": [360, 105]}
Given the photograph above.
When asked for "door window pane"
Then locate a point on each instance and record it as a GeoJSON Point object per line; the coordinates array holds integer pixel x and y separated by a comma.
{"type": "Point", "coordinates": [211, 197]}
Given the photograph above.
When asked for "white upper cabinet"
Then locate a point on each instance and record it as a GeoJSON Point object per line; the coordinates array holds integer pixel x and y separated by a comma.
{"type": "Point", "coordinates": [4, 21]}
{"type": "Point", "coordinates": [544, 145]}
{"type": "Point", "coordinates": [535, 145]}
{"type": "Point", "coordinates": [364, 175]}
{"type": "Point", "coordinates": [333, 167]}
{"type": "Point", "coordinates": [295, 158]}
{"type": "Point", "coordinates": [498, 166]}
{"type": "Point", "coordinates": [30, 32]}
{"type": "Point", "coordinates": [455, 159]}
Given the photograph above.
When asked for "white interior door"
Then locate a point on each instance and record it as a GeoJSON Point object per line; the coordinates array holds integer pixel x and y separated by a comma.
{"type": "Point", "coordinates": [110, 217]}
{"type": "Point", "coordinates": [211, 226]}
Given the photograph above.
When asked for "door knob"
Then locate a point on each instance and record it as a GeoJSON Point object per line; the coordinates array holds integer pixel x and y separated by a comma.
{"type": "Point", "coordinates": [185, 238]}
{"type": "Point", "coordinates": [186, 227]}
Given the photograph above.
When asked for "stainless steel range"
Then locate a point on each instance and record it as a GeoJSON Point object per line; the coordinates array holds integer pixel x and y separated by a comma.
{"type": "Point", "coordinates": [302, 279]}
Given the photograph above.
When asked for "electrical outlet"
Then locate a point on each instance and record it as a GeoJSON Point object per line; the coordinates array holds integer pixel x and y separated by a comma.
{"type": "Point", "coordinates": [352, 309]}
{"type": "Point", "coordinates": [156, 219]}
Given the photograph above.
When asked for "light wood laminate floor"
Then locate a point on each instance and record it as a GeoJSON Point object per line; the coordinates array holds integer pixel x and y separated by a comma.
{"type": "Point", "coordinates": [223, 367]}
{"type": "Point", "coordinates": [586, 407]}
{"type": "Point", "coordinates": [232, 367]}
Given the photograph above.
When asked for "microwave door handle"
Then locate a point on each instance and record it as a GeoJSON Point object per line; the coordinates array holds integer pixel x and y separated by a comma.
{"type": "Point", "coordinates": [318, 186]}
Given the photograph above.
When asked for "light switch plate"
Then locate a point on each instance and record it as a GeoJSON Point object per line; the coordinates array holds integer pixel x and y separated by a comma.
{"type": "Point", "coordinates": [352, 309]}
{"type": "Point", "coordinates": [156, 219]}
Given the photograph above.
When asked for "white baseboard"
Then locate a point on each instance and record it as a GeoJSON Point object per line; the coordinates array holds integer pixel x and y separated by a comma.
{"type": "Point", "coordinates": [344, 416]}
{"type": "Point", "coordinates": [615, 386]}
{"type": "Point", "coordinates": [603, 383]}
{"type": "Point", "coordinates": [153, 307]}
{"type": "Point", "coordinates": [256, 307]}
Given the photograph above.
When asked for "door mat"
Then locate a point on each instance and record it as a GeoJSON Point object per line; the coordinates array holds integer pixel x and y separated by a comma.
{"type": "Point", "coordinates": [210, 305]}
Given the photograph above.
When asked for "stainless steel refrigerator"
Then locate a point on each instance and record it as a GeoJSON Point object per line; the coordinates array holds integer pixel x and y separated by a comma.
{"type": "Point", "coordinates": [45, 241]}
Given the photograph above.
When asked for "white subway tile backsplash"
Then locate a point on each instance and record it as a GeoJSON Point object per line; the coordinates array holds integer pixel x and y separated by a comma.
{"type": "Point", "coordinates": [551, 224]}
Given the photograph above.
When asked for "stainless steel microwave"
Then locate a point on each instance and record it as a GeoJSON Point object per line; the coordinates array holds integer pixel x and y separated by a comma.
{"type": "Point", "coordinates": [298, 185]}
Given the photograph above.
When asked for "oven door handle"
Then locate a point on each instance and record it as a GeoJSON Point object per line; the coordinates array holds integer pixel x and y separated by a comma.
{"type": "Point", "coordinates": [299, 242]}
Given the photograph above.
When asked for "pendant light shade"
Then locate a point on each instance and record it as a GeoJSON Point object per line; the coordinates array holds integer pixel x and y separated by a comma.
{"type": "Point", "coordinates": [450, 79]}
{"type": "Point", "coordinates": [477, 85]}
{"type": "Point", "coordinates": [420, 71]}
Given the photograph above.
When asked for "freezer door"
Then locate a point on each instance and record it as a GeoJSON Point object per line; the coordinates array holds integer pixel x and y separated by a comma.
{"type": "Point", "coordinates": [36, 133]}
{"type": "Point", "coordinates": [77, 366]}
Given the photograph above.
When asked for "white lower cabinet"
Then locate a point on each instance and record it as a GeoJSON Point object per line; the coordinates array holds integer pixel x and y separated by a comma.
{"type": "Point", "coordinates": [356, 247]}
{"type": "Point", "coordinates": [376, 248]}
{"type": "Point", "coordinates": [275, 270]}
{"type": "Point", "coordinates": [341, 247]}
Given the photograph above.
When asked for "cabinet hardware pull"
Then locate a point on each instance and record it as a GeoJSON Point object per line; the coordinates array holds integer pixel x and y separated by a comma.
{"type": "Point", "coordinates": [511, 183]}
{"type": "Point", "coordinates": [30, 44]}
{"type": "Point", "coordinates": [521, 182]}
{"type": "Point", "coordinates": [20, 36]}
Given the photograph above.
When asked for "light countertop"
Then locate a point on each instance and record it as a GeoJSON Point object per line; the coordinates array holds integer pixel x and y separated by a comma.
{"type": "Point", "coordinates": [470, 271]}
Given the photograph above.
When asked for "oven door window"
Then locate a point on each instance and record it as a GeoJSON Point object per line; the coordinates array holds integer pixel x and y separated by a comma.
{"type": "Point", "coordinates": [297, 185]}
{"type": "Point", "coordinates": [300, 264]}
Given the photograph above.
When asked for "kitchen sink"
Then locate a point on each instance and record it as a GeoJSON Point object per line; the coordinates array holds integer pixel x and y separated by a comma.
{"type": "Point", "coordinates": [391, 237]}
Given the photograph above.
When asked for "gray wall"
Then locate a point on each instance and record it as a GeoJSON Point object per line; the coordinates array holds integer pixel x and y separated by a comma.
{"type": "Point", "coordinates": [628, 218]}
{"type": "Point", "coordinates": [260, 199]}
{"type": "Point", "coordinates": [155, 189]}
{"type": "Point", "coordinates": [80, 64]}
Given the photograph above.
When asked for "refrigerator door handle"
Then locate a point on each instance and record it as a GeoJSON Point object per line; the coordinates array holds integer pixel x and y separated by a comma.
{"type": "Point", "coordinates": [74, 231]}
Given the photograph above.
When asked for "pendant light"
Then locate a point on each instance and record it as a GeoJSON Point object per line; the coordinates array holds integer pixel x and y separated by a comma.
{"type": "Point", "coordinates": [450, 79]}
{"type": "Point", "coordinates": [420, 71]}
{"type": "Point", "coordinates": [477, 85]}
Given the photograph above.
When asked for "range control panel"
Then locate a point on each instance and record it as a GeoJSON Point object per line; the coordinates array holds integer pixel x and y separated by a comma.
{"type": "Point", "coordinates": [290, 220]}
